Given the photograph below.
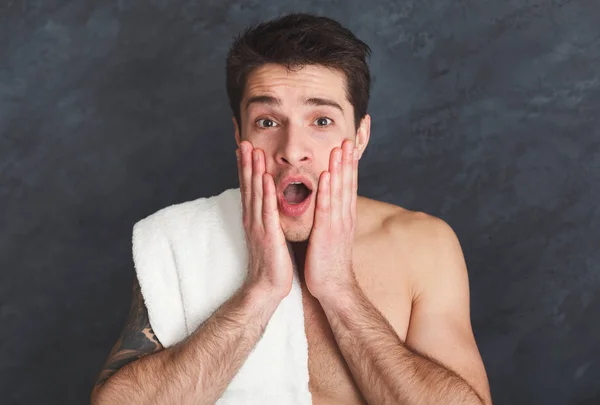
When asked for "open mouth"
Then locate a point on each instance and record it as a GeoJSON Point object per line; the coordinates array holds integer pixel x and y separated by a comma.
{"type": "Point", "coordinates": [296, 192]}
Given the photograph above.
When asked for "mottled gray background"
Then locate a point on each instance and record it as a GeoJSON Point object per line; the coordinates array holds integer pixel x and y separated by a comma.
{"type": "Point", "coordinates": [485, 113]}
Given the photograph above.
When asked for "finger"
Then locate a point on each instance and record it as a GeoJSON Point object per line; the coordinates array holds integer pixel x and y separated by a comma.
{"type": "Point", "coordinates": [270, 212]}
{"type": "Point", "coordinates": [246, 178]}
{"type": "Point", "coordinates": [238, 158]}
{"type": "Point", "coordinates": [347, 172]}
{"type": "Point", "coordinates": [323, 205]}
{"type": "Point", "coordinates": [354, 183]}
{"type": "Point", "coordinates": [335, 185]}
{"type": "Point", "coordinates": [257, 189]}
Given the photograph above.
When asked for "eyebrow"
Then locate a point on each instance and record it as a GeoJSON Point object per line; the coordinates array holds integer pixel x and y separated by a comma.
{"type": "Point", "coordinates": [274, 101]}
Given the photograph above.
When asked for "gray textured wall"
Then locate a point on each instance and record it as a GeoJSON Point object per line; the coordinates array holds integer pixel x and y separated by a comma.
{"type": "Point", "coordinates": [485, 113]}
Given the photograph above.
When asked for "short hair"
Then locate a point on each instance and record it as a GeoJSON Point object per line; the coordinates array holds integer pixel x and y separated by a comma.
{"type": "Point", "coordinates": [294, 41]}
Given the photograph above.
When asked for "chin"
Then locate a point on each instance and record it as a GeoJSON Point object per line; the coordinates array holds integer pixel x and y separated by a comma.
{"type": "Point", "coordinates": [298, 229]}
{"type": "Point", "coordinates": [297, 233]}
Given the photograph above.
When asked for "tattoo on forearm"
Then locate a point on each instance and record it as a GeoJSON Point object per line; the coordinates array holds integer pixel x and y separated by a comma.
{"type": "Point", "coordinates": [136, 340]}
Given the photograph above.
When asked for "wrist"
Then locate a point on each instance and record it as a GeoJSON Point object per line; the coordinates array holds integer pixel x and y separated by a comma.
{"type": "Point", "coordinates": [342, 298]}
{"type": "Point", "coordinates": [261, 296]}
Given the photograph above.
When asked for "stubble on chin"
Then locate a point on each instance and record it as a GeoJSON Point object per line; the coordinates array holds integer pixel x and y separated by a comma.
{"type": "Point", "coordinates": [296, 236]}
{"type": "Point", "coordinates": [297, 232]}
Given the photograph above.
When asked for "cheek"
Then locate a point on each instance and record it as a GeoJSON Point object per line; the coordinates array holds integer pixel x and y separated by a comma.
{"type": "Point", "coordinates": [323, 163]}
{"type": "Point", "coordinates": [264, 141]}
{"type": "Point", "coordinates": [258, 141]}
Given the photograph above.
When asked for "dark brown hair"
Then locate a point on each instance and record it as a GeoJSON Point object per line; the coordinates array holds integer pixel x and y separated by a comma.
{"type": "Point", "coordinates": [296, 40]}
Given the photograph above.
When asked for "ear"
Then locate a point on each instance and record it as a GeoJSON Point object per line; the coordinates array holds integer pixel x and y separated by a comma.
{"type": "Point", "coordinates": [236, 128]}
{"type": "Point", "coordinates": [363, 134]}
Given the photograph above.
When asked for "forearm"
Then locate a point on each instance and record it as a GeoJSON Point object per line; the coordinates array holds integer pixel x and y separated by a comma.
{"type": "Point", "coordinates": [198, 369]}
{"type": "Point", "coordinates": [385, 369]}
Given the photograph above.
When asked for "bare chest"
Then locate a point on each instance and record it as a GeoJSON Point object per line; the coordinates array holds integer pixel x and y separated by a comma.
{"type": "Point", "coordinates": [330, 379]}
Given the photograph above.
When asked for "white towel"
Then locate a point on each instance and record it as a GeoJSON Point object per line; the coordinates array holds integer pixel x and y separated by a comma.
{"type": "Point", "coordinates": [190, 258]}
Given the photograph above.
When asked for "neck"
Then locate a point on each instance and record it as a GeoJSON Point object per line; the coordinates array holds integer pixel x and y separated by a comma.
{"type": "Point", "coordinates": [299, 250]}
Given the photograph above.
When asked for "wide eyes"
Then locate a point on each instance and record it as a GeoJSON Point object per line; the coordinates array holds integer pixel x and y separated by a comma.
{"type": "Point", "coordinates": [321, 120]}
{"type": "Point", "coordinates": [269, 123]}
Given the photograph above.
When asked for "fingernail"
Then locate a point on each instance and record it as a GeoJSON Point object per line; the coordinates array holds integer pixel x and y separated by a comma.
{"type": "Point", "coordinates": [338, 156]}
{"type": "Point", "coordinates": [255, 154]}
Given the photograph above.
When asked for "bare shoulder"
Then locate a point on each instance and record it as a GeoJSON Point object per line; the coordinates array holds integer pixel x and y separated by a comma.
{"type": "Point", "coordinates": [418, 240]}
{"type": "Point", "coordinates": [422, 230]}
{"type": "Point", "coordinates": [432, 247]}
{"type": "Point", "coordinates": [407, 226]}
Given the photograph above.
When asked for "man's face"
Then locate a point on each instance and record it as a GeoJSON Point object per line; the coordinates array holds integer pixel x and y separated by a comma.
{"type": "Point", "coordinates": [297, 136]}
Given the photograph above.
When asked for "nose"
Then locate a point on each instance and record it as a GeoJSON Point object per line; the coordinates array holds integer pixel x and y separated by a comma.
{"type": "Point", "coordinates": [293, 151]}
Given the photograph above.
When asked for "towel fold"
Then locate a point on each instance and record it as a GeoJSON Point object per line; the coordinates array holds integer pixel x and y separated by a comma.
{"type": "Point", "coordinates": [190, 258]}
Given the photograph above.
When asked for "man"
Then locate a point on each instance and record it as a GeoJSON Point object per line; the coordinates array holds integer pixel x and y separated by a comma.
{"type": "Point", "coordinates": [385, 289]}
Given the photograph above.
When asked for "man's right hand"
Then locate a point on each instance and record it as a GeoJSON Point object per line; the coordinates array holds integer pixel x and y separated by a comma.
{"type": "Point", "coordinates": [270, 266]}
{"type": "Point", "coordinates": [198, 369]}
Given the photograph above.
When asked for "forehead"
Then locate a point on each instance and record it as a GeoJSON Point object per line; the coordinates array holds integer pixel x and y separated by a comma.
{"type": "Point", "coordinates": [293, 86]}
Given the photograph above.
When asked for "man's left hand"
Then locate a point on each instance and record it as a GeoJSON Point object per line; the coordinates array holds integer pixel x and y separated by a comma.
{"type": "Point", "coordinates": [328, 269]}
